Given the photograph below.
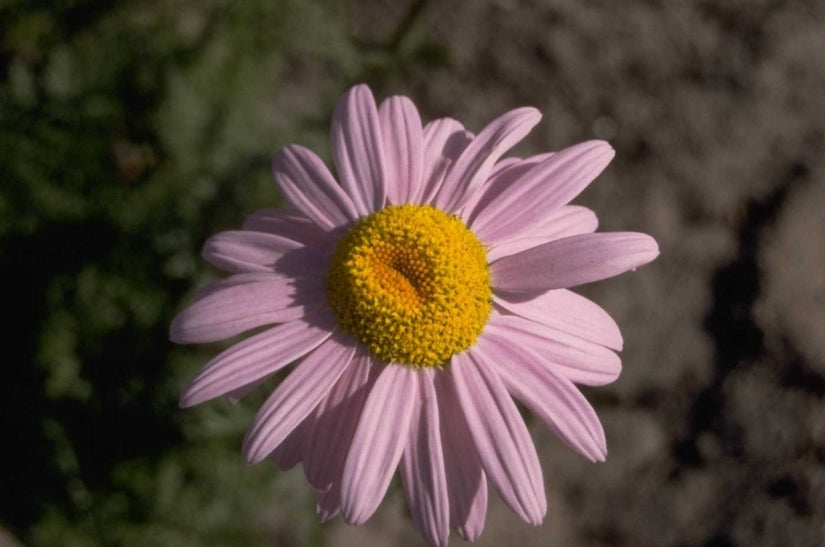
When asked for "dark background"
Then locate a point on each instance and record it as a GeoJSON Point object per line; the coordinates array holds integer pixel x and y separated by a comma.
{"type": "Point", "coordinates": [130, 131]}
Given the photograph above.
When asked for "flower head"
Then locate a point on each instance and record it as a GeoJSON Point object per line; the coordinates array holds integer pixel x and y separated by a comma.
{"type": "Point", "coordinates": [420, 293]}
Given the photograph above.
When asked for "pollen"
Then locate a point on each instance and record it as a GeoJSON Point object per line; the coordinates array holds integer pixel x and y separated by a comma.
{"type": "Point", "coordinates": [412, 284]}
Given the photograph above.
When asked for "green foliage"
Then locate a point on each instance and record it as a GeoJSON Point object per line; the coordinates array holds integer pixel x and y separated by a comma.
{"type": "Point", "coordinates": [129, 132]}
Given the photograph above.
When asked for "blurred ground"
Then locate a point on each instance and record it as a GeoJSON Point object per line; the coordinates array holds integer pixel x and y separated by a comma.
{"type": "Point", "coordinates": [131, 130]}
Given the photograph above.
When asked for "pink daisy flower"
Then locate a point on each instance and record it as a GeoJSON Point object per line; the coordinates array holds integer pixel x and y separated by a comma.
{"type": "Point", "coordinates": [420, 294]}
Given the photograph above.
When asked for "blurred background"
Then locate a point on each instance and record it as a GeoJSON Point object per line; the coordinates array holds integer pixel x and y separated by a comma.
{"type": "Point", "coordinates": [131, 130]}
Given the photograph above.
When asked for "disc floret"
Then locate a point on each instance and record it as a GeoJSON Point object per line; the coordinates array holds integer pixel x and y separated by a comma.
{"type": "Point", "coordinates": [411, 283]}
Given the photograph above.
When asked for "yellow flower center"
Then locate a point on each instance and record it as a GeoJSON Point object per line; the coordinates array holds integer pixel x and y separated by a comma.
{"type": "Point", "coordinates": [411, 282]}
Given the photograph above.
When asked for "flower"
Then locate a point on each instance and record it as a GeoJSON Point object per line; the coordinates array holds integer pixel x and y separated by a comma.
{"type": "Point", "coordinates": [421, 293]}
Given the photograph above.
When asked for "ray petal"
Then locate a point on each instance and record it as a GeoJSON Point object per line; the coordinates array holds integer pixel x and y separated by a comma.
{"type": "Point", "coordinates": [297, 396]}
{"type": "Point", "coordinates": [544, 187]}
{"type": "Point", "coordinates": [422, 467]}
{"type": "Point", "coordinates": [473, 166]}
{"type": "Point", "coordinates": [378, 443]}
{"type": "Point", "coordinates": [247, 303]}
{"type": "Point", "coordinates": [500, 436]}
{"type": "Point", "coordinates": [335, 420]}
{"type": "Point", "coordinates": [571, 261]}
{"type": "Point", "coordinates": [466, 481]}
{"type": "Point", "coordinates": [308, 185]}
{"type": "Point", "coordinates": [403, 148]}
{"type": "Point", "coordinates": [257, 357]}
{"type": "Point", "coordinates": [569, 312]}
{"type": "Point", "coordinates": [552, 397]}
{"type": "Point", "coordinates": [358, 150]}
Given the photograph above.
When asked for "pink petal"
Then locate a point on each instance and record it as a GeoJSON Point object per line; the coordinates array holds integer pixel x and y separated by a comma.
{"type": "Point", "coordinates": [569, 312]}
{"type": "Point", "coordinates": [307, 184]}
{"type": "Point", "coordinates": [505, 164]}
{"type": "Point", "coordinates": [444, 140]}
{"type": "Point", "coordinates": [290, 452]}
{"type": "Point", "coordinates": [571, 261]}
{"type": "Point", "coordinates": [336, 417]}
{"type": "Point", "coordinates": [545, 187]}
{"type": "Point", "coordinates": [550, 396]}
{"type": "Point", "coordinates": [243, 305]}
{"type": "Point", "coordinates": [244, 251]}
{"type": "Point", "coordinates": [422, 467]}
{"type": "Point", "coordinates": [466, 481]}
{"type": "Point", "coordinates": [328, 503]}
{"type": "Point", "coordinates": [297, 396]}
{"type": "Point", "coordinates": [284, 222]}
{"type": "Point", "coordinates": [502, 176]}
{"type": "Point", "coordinates": [257, 357]}
{"type": "Point", "coordinates": [358, 150]}
{"type": "Point", "coordinates": [503, 443]}
{"type": "Point", "coordinates": [563, 222]}
{"type": "Point", "coordinates": [235, 396]}
{"type": "Point", "coordinates": [576, 359]}
{"type": "Point", "coordinates": [473, 166]}
{"type": "Point", "coordinates": [232, 281]}
{"type": "Point", "coordinates": [378, 442]}
{"type": "Point", "coordinates": [403, 148]}
{"type": "Point", "coordinates": [294, 225]}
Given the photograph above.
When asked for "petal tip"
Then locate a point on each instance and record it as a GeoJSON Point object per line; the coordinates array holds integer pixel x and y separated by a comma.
{"type": "Point", "coordinates": [601, 143]}
{"type": "Point", "coordinates": [195, 394]}
{"type": "Point", "coordinates": [176, 330]}
{"type": "Point", "coordinates": [648, 249]}
{"type": "Point", "coordinates": [360, 88]}
{"type": "Point", "coordinates": [529, 115]}
{"type": "Point", "coordinates": [351, 516]}
{"type": "Point", "coordinates": [187, 400]}
{"type": "Point", "coordinates": [599, 152]}
{"type": "Point", "coordinates": [530, 112]}
{"type": "Point", "coordinates": [470, 533]}
{"type": "Point", "coordinates": [325, 515]}
{"type": "Point", "coordinates": [596, 454]}
{"type": "Point", "coordinates": [252, 452]}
